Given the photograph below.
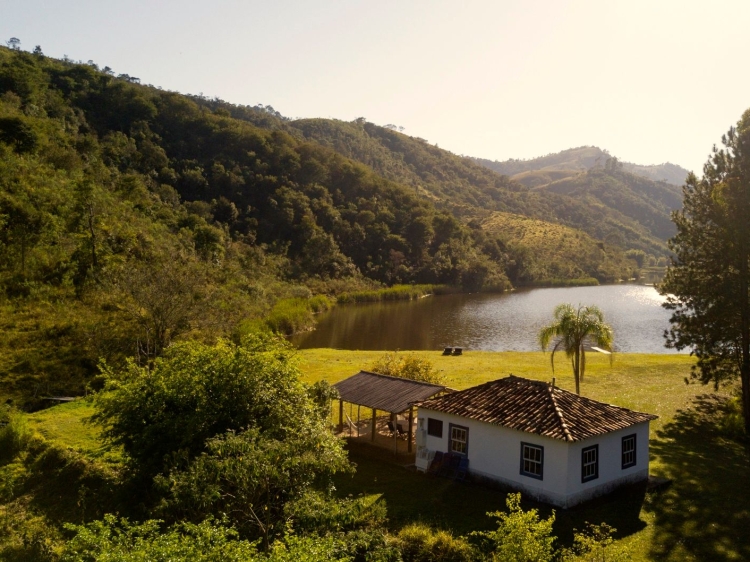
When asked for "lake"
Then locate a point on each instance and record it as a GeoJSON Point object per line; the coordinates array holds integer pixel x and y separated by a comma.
{"type": "Point", "coordinates": [491, 322]}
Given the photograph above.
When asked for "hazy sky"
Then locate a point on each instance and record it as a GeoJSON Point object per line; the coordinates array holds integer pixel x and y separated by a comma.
{"type": "Point", "coordinates": [651, 81]}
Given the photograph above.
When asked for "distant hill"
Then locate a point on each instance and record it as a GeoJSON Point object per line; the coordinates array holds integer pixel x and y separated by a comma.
{"type": "Point", "coordinates": [546, 251]}
{"type": "Point", "coordinates": [575, 160]}
{"type": "Point", "coordinates": [466, 188]}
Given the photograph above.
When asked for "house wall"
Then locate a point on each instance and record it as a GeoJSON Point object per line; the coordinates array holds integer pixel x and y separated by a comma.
{"type": "Point", "coordinates": [611, 473]}
{"type": "Point", "coordinates": [494, 453]}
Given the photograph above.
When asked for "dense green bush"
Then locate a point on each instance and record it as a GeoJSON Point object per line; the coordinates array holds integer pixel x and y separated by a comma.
{"type": "Point", "coordinates": [407, 366]}
{"type": "Point", "coordinates": [113, 539]}
{"type": "Point", "coordinates": [14, 434]}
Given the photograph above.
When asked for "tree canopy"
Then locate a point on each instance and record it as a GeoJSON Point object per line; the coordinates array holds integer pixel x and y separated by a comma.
{"type": "Point", "coordinates": [707, 281]}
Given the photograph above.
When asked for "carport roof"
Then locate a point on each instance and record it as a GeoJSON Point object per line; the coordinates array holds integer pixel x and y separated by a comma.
{"type": "Point", "coordinates": [390, 394]}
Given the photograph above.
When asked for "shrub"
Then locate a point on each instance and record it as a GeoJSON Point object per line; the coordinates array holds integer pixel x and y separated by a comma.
{"type": "Point", "coordinates": [594, 544]}
{"type": "Point", "coordinates": [315, 512]}
{"type": "Point", "coordinates": [289, 316]}
{"type": "Point", "coordinates": [420, 543]}
{"type": "Point", "coordinates": [14, 434]}
{"type": "Point", "coordinates": [118, 539]}
{"type": "Point", "coordinates": [520, 536]}
{"type": "Point", "coordinates": [407, 366]}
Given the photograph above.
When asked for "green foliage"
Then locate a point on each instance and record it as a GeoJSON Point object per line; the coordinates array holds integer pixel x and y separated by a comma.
{"type": "Point", "coordinates": [322, 393]}
{"type": "Point", "coordinates": [289, 316]}
{"type": "Point", "coordinates": [316, 512]}
{"type": "Point", "coordinates": [251, 476]}
{"type": "Point", "coordinates": [196, 392]}
{"type": "Point", "coordinates": [420, 543]}
{"type": "Point", "coordinates": [224, 430]}
{"type": "Point", "coordinates": [594, 544]}
{"type": "Point", "coordinates": [572, 328]}
{"type": "Point", "coordinates": [639, 256]}
{"type": "Point", "coordinates": [582, 282]}
{"type": "Point", "coordinates": [521, 536]}
{"type": "Point", "coordinates": [408, 366]}
{"type": "Point", "coordinates": [397, 292]}
{"type": "Point", "coordinates": [113, 539]}
{"type": "Point", "coordinates": [707, 283]}
{"type": "Point", "coordinates": [14, 434]}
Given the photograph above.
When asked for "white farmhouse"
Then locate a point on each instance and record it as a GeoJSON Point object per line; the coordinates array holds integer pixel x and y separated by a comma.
{"type": "Point", "coordinates": [531, 436]}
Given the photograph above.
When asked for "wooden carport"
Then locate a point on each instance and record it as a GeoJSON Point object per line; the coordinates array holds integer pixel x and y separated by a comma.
{"type": "Point", "coordinates": [381, 392]}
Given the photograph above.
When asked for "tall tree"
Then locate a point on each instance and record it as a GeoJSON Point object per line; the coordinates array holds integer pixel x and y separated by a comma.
{"type": "Point", "coordinates": [707, 282]}
{"type": "Point", "coordinates": [572, 328]}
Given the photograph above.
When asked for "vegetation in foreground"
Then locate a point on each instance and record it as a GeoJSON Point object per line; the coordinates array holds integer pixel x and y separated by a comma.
{"type": "Point", "coordinates": [36, 503]}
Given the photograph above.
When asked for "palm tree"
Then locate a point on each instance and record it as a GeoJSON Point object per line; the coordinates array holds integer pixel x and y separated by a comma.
{"type": "Point", "coordinates": [572, 327]}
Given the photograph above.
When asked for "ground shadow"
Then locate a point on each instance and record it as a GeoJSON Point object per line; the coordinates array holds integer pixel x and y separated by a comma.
{"type": "Point", "coordinates": [705, 512]}
{"type": "Point", "coordinates": [462, 507]}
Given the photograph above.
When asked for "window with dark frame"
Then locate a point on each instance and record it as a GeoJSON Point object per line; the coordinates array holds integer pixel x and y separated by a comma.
{"type": "Point", "coordinates": [434, 427]}
{"type": "Point", "coordinates": [532, 461]}
{"type": "Point", "coordinates": [628, 451]}
{"type": "Point", "coordinates": [459, 439]}
{"type": "Point", "coordinates": [590, 463]}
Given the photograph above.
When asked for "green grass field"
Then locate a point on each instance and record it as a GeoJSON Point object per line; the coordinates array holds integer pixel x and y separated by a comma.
{"type": "Point", "coordinates": [704, 515]}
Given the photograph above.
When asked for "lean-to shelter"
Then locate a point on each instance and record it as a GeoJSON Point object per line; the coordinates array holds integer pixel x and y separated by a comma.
{"type": "Point", "coordinates": [382, 392]}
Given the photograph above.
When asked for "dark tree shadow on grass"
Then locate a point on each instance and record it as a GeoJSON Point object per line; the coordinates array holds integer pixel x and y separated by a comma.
{"type": "Point", "coordinates": [462, 507]}
{"type": "Point", "coordinates": [705, 512]}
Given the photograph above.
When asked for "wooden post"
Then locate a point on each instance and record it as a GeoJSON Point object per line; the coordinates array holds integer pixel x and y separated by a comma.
{"type": "Point", "coordinates": [358, 407]}
{"type": "Point", "coordinates": [374, 420]}
{"type": "Point", "coordinates": [341, 416]}
{"type": "Point", "coordinates": [410, 432]}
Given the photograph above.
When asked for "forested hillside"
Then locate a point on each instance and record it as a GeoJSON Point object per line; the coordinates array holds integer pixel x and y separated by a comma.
{"type": "Point", "coordinates": [628, 212]}
{"type": "Point", "coordinates": [132, 216]}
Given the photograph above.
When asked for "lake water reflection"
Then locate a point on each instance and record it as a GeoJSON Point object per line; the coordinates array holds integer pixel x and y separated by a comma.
{"type": "Point", "coordinates": [504, 322]}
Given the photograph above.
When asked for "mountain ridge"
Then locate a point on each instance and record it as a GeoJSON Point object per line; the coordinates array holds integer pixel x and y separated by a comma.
{"type": "Point", "coordinates": [584, 158]}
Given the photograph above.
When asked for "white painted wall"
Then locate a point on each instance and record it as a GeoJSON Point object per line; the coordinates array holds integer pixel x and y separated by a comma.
{"type": "Point", "coordinates": [495, 452]}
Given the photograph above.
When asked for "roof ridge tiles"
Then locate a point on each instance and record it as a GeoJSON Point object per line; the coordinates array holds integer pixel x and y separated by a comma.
{"type": "Point", "coordinates": [559, 413]}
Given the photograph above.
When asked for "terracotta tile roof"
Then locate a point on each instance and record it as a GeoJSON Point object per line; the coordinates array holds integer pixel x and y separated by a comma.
{"type": "Point", "coordinates": [536, 407]}
{"type": "Point", "coordinates": [390, 394]}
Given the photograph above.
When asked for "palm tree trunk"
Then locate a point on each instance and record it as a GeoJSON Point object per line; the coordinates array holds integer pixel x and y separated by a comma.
{"type": "Point", "coordinates": [576, 367]}
{"type": "Point", "coordinates": [583, 362]}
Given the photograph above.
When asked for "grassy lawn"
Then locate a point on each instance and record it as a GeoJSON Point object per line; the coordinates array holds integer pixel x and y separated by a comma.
{"type": "Point", "coordinates": [703, 515]}
{"type": "Point", "coordinates": [67, 425]}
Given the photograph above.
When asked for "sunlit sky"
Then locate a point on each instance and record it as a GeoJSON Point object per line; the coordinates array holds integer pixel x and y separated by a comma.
{"type": "Point", "coordinates": [650, 81]}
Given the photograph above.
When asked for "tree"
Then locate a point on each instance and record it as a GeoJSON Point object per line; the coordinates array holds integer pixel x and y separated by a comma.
{"type": "Point", "coordinates": [14, 43]}
{"type": "Point", "coordinates": [197, 392]}
{"type": "Point", "coordinates": [223, 430]}
{"type": "Point", "coordinates": [163, 300]}
{"type": "Point", "coordinates": [574, 327]}
{"type": "Point", "coordinates": [708, 279]}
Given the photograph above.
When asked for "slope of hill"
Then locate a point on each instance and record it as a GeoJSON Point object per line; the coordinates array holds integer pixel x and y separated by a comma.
{"type": "Point", "coordinates": [647, 202]}
{"type": "Point", "coordinates": [549, 252]}
{"type": "Point", "coordinates": [466, 188]}
{"type": "Point", "coordinates": [584, 158]}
